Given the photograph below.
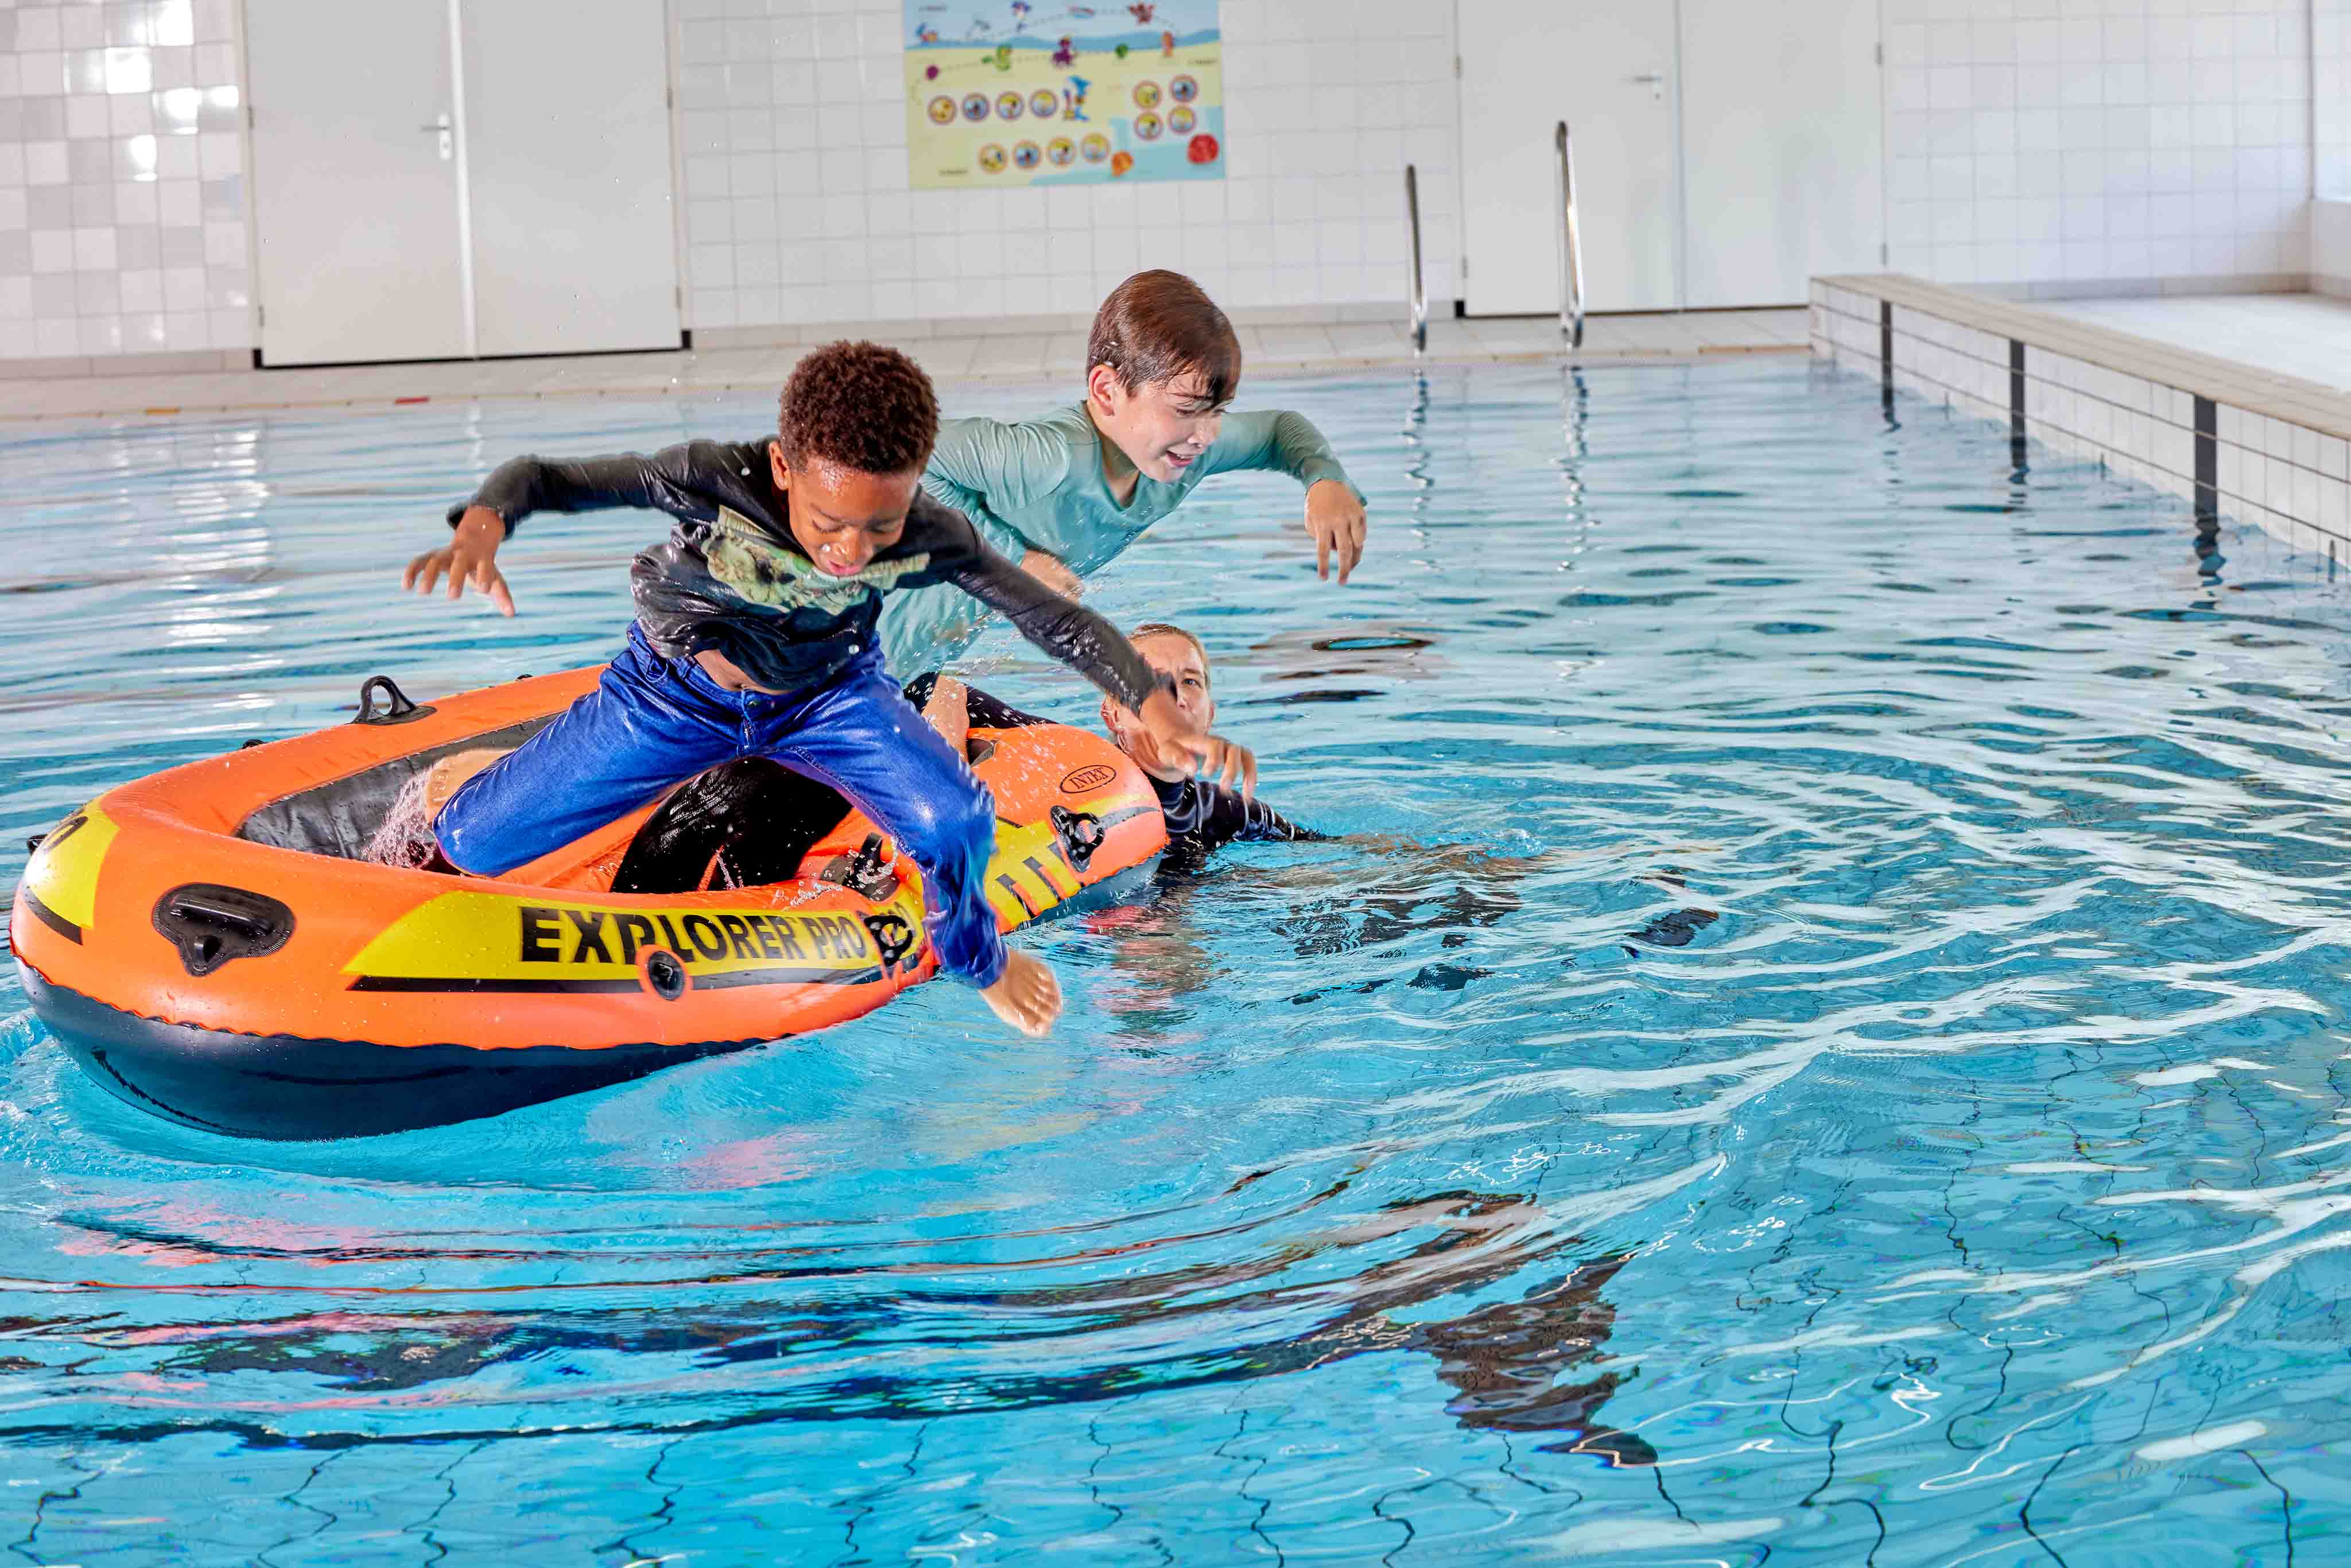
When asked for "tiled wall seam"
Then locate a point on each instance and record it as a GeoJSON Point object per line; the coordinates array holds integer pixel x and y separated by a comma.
{"type": "Point", "coordinates": [2292, 481]}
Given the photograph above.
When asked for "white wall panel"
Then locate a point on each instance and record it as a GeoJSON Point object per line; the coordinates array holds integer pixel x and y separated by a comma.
{"type": "Point", "coordinates": [355, 195]}
{"type": "Point", "coordinates": [1606, 67]}
{"type": "Point", "coordinates": [1783, 154]}
{"type": "Point", "coordinates": [567, 138]}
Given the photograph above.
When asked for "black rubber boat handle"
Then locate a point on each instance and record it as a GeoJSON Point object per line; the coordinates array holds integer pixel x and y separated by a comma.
{"type": "Point", "coordinates": [211, 925]}
{"type": "Point", "coordinates": [399, 707]}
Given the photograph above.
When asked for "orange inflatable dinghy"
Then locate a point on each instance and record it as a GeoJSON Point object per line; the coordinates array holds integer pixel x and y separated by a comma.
{"type": "Point", "coordinates": [206, 943]}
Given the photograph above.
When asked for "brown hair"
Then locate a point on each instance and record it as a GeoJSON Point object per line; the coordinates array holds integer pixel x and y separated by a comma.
{"type": "Point", "coordinates": [1162, 629]}
{"type": "Point", "coordinates": [1157, 326]}
{"type": "Point", "coordinates": [862, 405]}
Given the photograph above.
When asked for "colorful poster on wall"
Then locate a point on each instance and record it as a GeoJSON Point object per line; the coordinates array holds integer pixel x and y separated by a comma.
{"type": "Point", "coordinates": [1007, 92]}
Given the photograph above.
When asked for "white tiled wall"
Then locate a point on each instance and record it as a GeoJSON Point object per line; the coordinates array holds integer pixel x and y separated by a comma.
{"type": "Point", "coordinates": [799, 209]}
{"type": "Point", "coordinates": [2330, 78]}
{"type": "Point", "coordinates": [2084, 141]}
{"type": "Point", "coordinates": [122, 205]}
{"type": "Point", "coordinates": [2040, 141]}
{"type": "Point", "coordinates": [121, 180]}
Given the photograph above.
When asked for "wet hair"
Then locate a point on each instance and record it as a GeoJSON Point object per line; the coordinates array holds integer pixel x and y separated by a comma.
{"type": "Point", "coordinates": [1162, 629]}
{"type": "Point", "coordinates": [1159, 325]}
{"type": "Point", "coordinates": [861, 405]}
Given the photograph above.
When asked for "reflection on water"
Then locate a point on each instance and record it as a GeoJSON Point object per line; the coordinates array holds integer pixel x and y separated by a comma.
{"type": "Point", "coordinates": [1816, 1036]}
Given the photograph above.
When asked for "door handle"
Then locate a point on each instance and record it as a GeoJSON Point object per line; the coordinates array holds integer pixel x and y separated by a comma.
{"type": "Point", "coordinates": [1655, 82]}
{"type": "Point", "coordinates": [448, 137]}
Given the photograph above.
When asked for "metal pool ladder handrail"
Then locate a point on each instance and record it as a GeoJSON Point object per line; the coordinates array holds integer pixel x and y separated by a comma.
{"type": "Point", "coordinates": [1419, 294]}
{"type": "Point", "coordinates": [1570, 247]}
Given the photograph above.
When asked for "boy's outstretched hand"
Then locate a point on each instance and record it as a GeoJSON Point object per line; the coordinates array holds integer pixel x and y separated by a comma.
{"type": "Point", "coordinates": [470, 556]}
{"type": "Point", "coordinates": [1180, 744]}
{"type": "Point", "coordinates": [1335, 518]}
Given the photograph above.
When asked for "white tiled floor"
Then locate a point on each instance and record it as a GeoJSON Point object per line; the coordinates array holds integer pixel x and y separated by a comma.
{"type": "Point", "coordinates": [2305, 334]}
{"type": "Point", "coordinates": [1305, 346]}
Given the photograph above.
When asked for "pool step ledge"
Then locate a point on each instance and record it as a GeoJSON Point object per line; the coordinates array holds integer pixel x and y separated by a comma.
{"type": "Point", "coordinates": [2238, 441]}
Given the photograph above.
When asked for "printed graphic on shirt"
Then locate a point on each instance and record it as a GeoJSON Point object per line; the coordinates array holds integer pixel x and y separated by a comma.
{"type": "Point", "coordinates": [758, 569]}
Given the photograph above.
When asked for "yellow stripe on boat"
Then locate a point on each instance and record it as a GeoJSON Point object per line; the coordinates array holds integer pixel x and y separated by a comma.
{"type": "Point", "coordinates": [60, 882]}
{"type": "Point", "coordinates": [1028, 875]}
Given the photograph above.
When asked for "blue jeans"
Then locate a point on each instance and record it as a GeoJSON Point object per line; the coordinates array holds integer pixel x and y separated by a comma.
{"type": "Point", "coordinates": [652, 723]}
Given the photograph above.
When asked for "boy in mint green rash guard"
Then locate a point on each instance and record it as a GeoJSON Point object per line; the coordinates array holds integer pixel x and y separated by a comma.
{"type": "Point", "coordinates": [1065, 493]}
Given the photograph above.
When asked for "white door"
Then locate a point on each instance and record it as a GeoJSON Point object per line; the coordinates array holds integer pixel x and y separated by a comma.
{"type": "Point", "coordinates": [1606, 67]}
{"type": "Point", "coordinates": [1781, 146]}
{"type": "Point", "coordinates": [567, 143]}
{"type": "Point", "coordinates": [354, 182]}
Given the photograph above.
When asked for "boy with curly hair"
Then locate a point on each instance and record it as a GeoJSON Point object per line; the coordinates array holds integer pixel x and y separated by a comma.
{"type": "Point", "coordinates": [1063, 494]}
{"type": "Point", "coordinates": [755, 637]}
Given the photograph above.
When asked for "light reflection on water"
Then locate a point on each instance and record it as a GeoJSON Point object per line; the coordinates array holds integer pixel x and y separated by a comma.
{"type": "Point", "coordinates": [1820, 1039]}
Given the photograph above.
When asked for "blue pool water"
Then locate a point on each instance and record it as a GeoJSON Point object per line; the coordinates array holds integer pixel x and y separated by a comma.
{"type": "Point", "coordinates": [1974, 1188]}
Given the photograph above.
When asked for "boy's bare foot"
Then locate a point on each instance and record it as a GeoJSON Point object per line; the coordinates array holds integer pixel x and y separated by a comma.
{"type": "Point", "coordinates": [1025, 995]}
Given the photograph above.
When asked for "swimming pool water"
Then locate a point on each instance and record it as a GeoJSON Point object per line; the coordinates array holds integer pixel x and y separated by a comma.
{"type": "Point", "coordinates": [1822, 1042]}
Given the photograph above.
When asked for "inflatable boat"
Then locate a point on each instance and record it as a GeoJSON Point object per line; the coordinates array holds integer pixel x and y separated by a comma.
{"type": "Point", "coordinates": [209, 944]}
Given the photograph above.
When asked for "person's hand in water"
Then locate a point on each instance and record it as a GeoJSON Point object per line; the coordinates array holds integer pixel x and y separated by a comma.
{"type": "Point", "coordinates": [1179, 744]}
{"type": "Point", "coordinates": [1049, 569]}
{"type": "Point", "coordinates": [1026, 994]}
{"type": "Point", "coordinates": [1336, 520]}
{"type": "Point", "coordinates": [470, 556]}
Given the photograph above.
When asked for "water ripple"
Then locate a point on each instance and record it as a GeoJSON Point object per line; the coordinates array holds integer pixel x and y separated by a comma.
{"type": "Point", "coordinates": [1819, 1035]}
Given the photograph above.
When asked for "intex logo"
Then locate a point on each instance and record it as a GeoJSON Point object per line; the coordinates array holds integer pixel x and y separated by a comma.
{"type": "Point", "coordinates": [1090, 778]}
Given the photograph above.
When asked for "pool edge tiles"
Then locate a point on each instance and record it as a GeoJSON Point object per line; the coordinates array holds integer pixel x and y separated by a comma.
{"type": "Point", "coordinates": [2239, 442]}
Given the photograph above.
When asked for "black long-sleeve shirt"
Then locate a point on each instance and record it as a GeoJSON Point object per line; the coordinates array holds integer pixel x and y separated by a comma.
{"type": "Point", "coordinates": [732, 579]}
{"type": "Point", "coordinates": [1203, 815]}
